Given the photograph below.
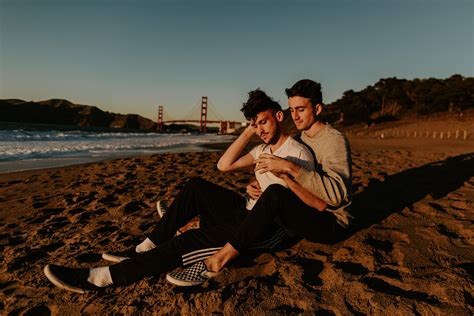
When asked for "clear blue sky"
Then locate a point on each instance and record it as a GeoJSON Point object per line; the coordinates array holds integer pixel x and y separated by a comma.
{"type": "Point", "coordinates": [130, 56]}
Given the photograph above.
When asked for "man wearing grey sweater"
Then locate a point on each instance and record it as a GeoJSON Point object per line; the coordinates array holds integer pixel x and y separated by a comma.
{"type": "Point", "coordinates": [315, 206]}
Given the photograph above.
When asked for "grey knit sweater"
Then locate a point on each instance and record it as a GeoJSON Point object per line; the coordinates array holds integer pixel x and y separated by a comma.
{"type": "Point", "coordinates": [332, 180]}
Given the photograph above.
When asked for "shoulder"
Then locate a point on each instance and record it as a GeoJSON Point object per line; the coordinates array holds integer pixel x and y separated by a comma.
{"type": "Point", "coordinates": [294, 144]}
{"type": "Point", "coordinates": [332, 132]}
{"type": "Point", "coordinates": [257, 150]}
{"type": "Point", "coordinates": [335, 145]}
{"type": "Point", "coordinates": [333, 136]}
{"type": "Point", "coordinates": [299, 147]}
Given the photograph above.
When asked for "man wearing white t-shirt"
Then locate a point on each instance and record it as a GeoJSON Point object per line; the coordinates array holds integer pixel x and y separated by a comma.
{"type": "Point", "coordinates": [221, 210]}
{"type": "Point", "coordinates": [291, 150]}
{"type": "Point", "coordinates": [266, 119]}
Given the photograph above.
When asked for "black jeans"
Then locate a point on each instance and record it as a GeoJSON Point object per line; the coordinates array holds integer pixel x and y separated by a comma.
{"type": "Point", "coordinates": [223, 218]}
{"type": "Point", "coordinates": [281, 204]}
{"type": "Point", "coordinates": [220, 210]}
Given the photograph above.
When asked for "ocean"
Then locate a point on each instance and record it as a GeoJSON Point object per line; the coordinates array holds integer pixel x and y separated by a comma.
{"type": "Point", "coordinates": [26, 150]}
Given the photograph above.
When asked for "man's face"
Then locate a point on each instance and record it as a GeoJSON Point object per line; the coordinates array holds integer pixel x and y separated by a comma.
{"type": "Point", "coordinates": [266, 126]}
{"type": "Point", "coordinates": [302, 112]}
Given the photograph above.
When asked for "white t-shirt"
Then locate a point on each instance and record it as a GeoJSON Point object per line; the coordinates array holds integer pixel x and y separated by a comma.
{"type": "Point", "coordinates": [291, 150]}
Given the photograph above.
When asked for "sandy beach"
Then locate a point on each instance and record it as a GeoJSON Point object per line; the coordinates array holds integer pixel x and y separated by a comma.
{"type": "Point", "coordinates": [410, 254]}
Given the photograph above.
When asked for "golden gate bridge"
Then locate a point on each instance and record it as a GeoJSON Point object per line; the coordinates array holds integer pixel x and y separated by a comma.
{"type": "Point", "coordinates": [225, 126]}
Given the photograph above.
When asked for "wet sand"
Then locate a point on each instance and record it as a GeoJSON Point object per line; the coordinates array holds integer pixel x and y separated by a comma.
{"type": "Point", "coordinates": [411, 252]}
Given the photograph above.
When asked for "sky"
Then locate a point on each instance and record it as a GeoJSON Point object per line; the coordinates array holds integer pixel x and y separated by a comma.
{"type": "Point", "coordinates": [128, 56]}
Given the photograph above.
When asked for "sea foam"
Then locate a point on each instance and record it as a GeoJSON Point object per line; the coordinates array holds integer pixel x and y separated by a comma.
{"type": "Point", "coordinates": [23, 145]}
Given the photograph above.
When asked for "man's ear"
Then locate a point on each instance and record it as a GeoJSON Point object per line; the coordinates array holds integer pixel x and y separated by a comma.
{"type": "Point", "coordinates": [318, 108]}
{"type": "Point", "coordinates": [280, 116]}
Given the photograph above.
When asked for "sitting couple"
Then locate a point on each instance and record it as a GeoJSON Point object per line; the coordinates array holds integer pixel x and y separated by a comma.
{"type": "Point", "coordinates": [296, 193]}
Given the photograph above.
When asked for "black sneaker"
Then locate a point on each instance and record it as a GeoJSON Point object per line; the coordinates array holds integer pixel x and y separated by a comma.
{"type": "Point", "coordinates": [119, 256]}
{"type": "Point", "coordinates": [70, 279]}
{"type": "Point", "coordinates": [193, 275]}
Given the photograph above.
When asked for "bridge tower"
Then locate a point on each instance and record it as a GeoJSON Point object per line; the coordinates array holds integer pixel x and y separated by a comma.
{"type": "Point", "coordinates": [203, 119]}
{"type": "Point", "coordinates": [160, 118]}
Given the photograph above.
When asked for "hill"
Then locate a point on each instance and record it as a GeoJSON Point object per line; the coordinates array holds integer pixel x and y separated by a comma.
{"type": "Point", "coordinates": [392, 99]}
{"type": "Point", "coordinates": [66, 113]}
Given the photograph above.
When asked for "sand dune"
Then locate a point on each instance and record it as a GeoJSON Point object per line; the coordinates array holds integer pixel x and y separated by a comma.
{"type": "Point", "coordinates": [410, 253]}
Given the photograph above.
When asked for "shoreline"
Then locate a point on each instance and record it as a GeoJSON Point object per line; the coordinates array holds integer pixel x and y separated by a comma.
{"type": "Point", "coordinates": [12, 166]}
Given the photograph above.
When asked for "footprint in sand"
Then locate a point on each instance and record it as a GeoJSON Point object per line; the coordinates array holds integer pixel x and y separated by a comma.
{"type": "Point", "coordinates": [383, 285]}
{"type": "Point", "coordinates": [311, 270]}
{"type": "Point", "coordinates": [351, 267]}
{"type": "Point", "coordinates": [38, 310]}
{"type": "Point", "coordinates": [76, 211]}
{"type": "Point", "coordinates": [443, 230]}
{"type": "Point", "coordinates": [38, 204]}
{"type": "Point", "coordinates": [88, 257]}
{"type": "Point", "coordinates": [32, 255]}
{"type": "Point", "coordinates": [133, 206]}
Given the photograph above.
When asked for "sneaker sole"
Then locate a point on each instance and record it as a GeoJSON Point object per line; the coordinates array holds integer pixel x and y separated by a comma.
{"type": "Point", "coordinates": [113, 258]}
{"type": "Point", "coordinates": [159, 209]}
{"type": "Point", "coordinates": [60, 284]}
{"type": "Point", "coordinates": [177, 282]}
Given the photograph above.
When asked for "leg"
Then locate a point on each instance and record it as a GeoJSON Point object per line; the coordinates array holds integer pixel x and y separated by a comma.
{"type": "Point", "coordinates": [187, 248]}
{"type": "Point", "coordinates": [294, 214]}
{"type": "Point", "coordinates": [276, 202]}
{"type": "Point", "coordinates": [215, 205]}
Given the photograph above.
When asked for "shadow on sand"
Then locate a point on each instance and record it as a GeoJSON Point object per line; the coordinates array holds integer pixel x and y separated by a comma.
{"type": "Point", "coordinates": [383, 198]}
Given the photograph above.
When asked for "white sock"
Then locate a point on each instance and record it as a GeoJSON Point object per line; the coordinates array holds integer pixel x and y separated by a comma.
{"type": "Point", "coordinates": [100, 276]}
{"type": "Point", "coordinates": [146, 245]}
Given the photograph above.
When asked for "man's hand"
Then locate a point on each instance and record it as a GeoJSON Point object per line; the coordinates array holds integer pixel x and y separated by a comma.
{"type": "Point", "coordinates": [276, 165]}
{"type": "Point", "coordinates": [254, 190]}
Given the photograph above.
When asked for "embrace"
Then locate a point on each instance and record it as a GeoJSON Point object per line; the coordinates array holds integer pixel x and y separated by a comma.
{"type": "Point", "coordinates": [302, 189]}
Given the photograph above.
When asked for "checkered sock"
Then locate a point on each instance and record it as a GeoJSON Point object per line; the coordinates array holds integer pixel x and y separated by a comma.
{"type": "Point", "coordinates": [100, 277]}
{"type": "Point", "coordinates": [146, 245]}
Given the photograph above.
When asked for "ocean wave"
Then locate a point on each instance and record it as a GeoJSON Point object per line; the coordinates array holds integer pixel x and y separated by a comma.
{"type": "Point", "coordinates": [21, 145]}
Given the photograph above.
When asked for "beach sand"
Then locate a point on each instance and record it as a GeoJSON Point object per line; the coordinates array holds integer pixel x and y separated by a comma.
{"type": "Point", "coordinates": [411, 253]}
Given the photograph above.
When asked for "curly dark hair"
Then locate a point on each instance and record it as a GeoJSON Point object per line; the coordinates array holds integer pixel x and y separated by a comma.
{"type": "Point", "coordinates": [306, 88]}
{"type": "Point", "coordinates": [257, 102]}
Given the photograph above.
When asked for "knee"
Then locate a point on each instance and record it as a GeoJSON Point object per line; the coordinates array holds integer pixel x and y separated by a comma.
{"type": "Point", "coordinates": [196, 182]}
{"type": "Point", "coordinates": [276, 189]}
{"type": "Point", "coordinates": [273, 192]}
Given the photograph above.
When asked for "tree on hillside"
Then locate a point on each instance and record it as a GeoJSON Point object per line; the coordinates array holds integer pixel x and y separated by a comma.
{"type": "Point", "coordinates": [391, 98]}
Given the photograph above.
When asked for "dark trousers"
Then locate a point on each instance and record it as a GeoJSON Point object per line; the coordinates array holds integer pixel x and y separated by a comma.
{"type": "Point", "coordinates": [281, 204]}
{"type": "Point", "coordinates": [223, 218]}
{"type": "Point", "coordinates": [220, 210]}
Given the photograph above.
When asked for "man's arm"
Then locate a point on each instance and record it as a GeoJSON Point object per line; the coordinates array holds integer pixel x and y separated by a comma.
{"type": "Point", "coordinates": [230, 160]}
{"type": "Point", "coordinates": [304, 195]}
{"type": "Point", "coordinates": [331, 185]}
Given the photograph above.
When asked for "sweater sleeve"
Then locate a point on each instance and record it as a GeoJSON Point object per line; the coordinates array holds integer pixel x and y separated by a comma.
{"type": "Point", "coordinates": [331, 180]}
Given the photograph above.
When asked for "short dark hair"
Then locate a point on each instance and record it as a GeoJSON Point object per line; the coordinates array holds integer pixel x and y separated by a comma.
{"type": "Point", "coordinates": [257, 102]}
{"type": "Point", "coordinates": [306, 88]}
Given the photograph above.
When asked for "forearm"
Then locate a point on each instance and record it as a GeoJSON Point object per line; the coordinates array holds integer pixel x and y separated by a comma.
{"type": "Point", "coordinates": [231, 155]}
{"type": "Point", "coordinates": [304, 195]}
{"type": "Point", "coordinates": [330, 187]}
{"type": "Point", "coordinates": [331, 181]}
{"type": "Point", "coordinates": [292, 169]}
